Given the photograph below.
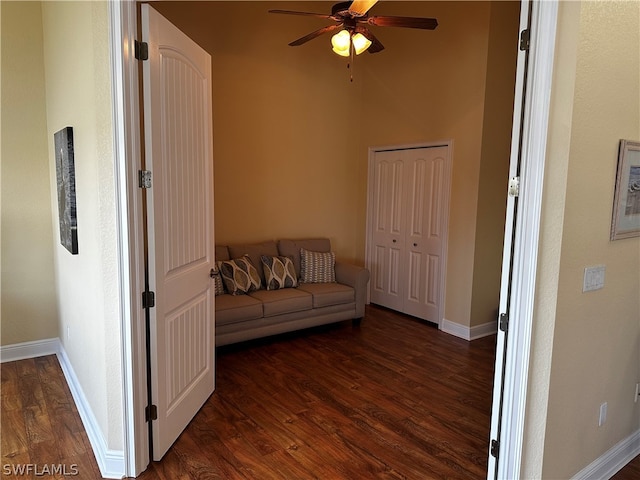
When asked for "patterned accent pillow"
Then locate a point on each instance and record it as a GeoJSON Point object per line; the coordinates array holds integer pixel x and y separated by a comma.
{"type": "Point", "coordinates": [279, 272]}
{"type": "Point", "coordinates": [317, 267]}
{"type": "Point", "coordinates": [218, 285]}
{"type": "Point", "coordinates": [240, 276]}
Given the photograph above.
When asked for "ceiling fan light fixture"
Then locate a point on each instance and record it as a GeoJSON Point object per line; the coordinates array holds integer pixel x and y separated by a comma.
{"type": "Point", "coordinates": [344, 39]}
{"type": "Point", "coordinates": [360, 43]}
{"type": "Point", "coordinates": [352, 19]}
{"type": "Point", "coordinates": [341, 43]}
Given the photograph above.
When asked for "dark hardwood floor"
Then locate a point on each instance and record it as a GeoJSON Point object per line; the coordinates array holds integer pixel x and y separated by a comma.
{"type": "Point", "coordinates": [42, 435]}
{"type": "Point", "coordinates": [392, 398]}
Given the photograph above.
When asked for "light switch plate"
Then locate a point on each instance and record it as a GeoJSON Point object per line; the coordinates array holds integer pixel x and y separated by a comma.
{"type": "Point", "coordinates": [593, 278]}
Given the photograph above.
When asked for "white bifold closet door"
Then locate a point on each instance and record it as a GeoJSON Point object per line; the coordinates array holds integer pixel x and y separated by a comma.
{"type": "Point", "coordinates": [408, 205]}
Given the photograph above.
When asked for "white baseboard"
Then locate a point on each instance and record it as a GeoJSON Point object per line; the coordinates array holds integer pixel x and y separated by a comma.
{"type": "Point", "coordinates": [110, 462]}
{"type": "Point", "coordinates": [21, 351]}
{"type": "Point", "coordinates": [607, 465]}
{"type": "Point", "coordinates": [468, 333]}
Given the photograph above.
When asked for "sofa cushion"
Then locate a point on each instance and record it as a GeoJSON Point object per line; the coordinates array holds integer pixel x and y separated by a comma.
{"type": "Point", "coordinates": [291, 248]}
{"type": "Point", "coordinates": [286, 300]}
{"type": "Point", "coordinates": [240, 275]}
{"type": "Point", "coordinates": [279, 272]}
{"type": "Point", "coordinates": [237, 308]}
{"type": "Point", "coordinates": [317, 267]}
{"type": "Point", "coordinates": [255, 251]}
{"type": "Point", "coordinates": [326, 294]}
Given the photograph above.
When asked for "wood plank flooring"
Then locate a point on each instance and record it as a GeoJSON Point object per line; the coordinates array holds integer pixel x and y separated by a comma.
{"type": "Point", "coordinates": [392, 398]}
{"type": "Point", "coordinates": [42, 434]}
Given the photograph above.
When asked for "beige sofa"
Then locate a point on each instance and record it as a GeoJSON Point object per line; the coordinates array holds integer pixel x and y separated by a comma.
{"type": "Point", "coordinates": [263, 312]}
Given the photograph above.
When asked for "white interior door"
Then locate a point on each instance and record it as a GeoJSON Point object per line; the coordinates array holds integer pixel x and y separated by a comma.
{"type": "Point", "coordinates": [178, 152]}
{"type": "Point", "coordinates": [408, 217]}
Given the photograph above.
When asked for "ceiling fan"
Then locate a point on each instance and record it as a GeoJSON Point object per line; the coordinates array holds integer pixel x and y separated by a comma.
{"type": "Point", "coordinates": [352, 19]}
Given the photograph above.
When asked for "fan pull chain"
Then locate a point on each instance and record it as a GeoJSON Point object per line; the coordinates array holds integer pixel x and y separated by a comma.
{"type": "Point", "coordinates": [351, 51]}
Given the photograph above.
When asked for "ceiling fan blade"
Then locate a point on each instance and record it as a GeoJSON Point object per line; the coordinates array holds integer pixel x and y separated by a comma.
{"type": "Point", "coordinates": [406, 22]}
{"type": "Point", "coordinates": [315, 34]}
{"type": "Point", "coordinates": [359, 7]}
{"type": "Point", "coordinates": [306, 14]}
{"type": "Point", "coordinates": [376, 45]}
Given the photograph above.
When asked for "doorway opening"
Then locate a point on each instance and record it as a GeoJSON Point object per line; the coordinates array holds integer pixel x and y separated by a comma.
{"type": "Point", "coordinates": [133, 354]}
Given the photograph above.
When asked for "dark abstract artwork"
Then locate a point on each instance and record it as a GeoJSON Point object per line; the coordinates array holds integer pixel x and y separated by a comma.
{"type": "Point", "coordinates": [66, 180]}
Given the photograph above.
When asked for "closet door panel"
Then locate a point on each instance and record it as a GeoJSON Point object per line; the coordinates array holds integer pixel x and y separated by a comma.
{"type": "Point", "coordinates": [387, 236]}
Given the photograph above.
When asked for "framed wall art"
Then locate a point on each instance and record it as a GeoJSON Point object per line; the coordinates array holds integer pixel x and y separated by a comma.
{"type": "Point", "coordinates": [66, 183]}
{"type": "Point", "coordinates": [626, 206]}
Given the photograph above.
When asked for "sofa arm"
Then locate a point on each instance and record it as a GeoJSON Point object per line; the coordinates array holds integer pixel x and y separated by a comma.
{"type": "Point", "coordinates": [356, 277]}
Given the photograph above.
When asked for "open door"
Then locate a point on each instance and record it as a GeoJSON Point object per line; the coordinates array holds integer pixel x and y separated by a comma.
{"type": "Point", "coordinates": [179, 156]}
{"type": "Point", "coordinates": [508, 245]}
{"type": "Point", "coordinates": [534, 77]}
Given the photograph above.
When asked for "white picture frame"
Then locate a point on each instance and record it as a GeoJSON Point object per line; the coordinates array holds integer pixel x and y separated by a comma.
{"type": "Point", "coordinates": [626, 204]}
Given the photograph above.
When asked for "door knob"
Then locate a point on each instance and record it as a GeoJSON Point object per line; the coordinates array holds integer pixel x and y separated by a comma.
{"type": "Point", "coordinates": [394, 240]}
{"type": "Point", "coordinates": [213, 273]}
{"type": "Point", "coordinates": [415, 244]}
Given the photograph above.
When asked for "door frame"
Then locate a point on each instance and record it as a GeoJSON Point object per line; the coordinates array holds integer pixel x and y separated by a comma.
{"type": "Point", "coordinates": [446, 202]}
{"type": "Point", "coordinates": [123, 30]}
{"type": "Point", "coordinates": [127, 147]}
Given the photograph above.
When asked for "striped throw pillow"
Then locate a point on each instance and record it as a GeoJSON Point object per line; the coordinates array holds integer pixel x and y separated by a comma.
{"type": "Point", "coordinates": [317, 267]}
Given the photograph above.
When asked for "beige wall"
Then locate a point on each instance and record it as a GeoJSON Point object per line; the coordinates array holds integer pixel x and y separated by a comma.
{"type": "Point", "coordinates": [56, 73]}
{"type": "Point", "coordinates": [29, 308]}
{"type": "Point", "coordinates": [291, 132]}
{"type": "Point", "coordinates": [494, 164]}
{"type": "Point", "coordinates": [78, 94]}
{"type": "Point", "coordinates": [596, 355]}
{"type": "Point", "coordinates": [284, 124]}
{"type": "Point", "coordinates": [586, 345]}
{"type": "Point", "coordinates": [455, 83]}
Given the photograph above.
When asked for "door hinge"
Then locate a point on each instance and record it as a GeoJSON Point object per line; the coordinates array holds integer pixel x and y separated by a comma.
{"type": "Point", "coordinates": [503, 322]}
{"type": "Point", "coordinates": [141, 50]}
{"type": "Point", "coordinates": [495, 448]}
{"type": "Point", "coordinates": [144, 179]}
{"type": "Point", "coordinates": [148, 299]}
{"type": "Point", "coordinates": [514, 186]}
{"type": "Point", "coordinates": [150, 413]}
{"type": "Point", "coordinates": [525, 37]}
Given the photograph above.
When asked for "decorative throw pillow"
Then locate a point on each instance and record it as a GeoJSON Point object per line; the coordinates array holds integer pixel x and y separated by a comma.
{"type": "Point", "coordinates": [218, 286]}
{"type": "Point", "coordinates": [279, 272]}
{"type": "Point", "coordinates": [240, 276]}
{"type": "Point", "coordinates": [317, 267]}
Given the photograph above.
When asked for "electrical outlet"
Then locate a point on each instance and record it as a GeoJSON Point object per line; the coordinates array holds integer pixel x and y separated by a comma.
{"type": "Point", "coordinates": [68, 333]}
{"type": "Point", "coordinates": [603, 414]}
